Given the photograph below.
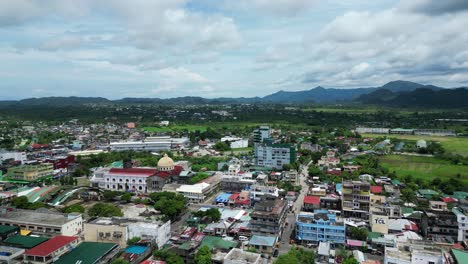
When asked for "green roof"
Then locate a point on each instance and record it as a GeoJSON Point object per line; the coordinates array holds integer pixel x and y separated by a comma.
{"type": "Point", "coordinates": [87, 253]}
{"type": "Point", "coordinates": [371, 235]}
{"type": "Point", "coordinates": [460, 256]}
{"type": "Point", "coordinates": [460, 195]}
{"type": "Point", "coordinates": [427, 192]}
{"type": "Point", "coordinates": [407, 210]}
{"type": "Point", "coordinates": [395, 182]}
{"type": "Point", "coordinates": [25, 241]}
{"type": "Point", "coordinates": [8, 229]}
{"type": "Point", "coordinates": [217, 242]}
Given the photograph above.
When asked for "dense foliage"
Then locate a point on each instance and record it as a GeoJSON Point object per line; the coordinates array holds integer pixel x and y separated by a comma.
{"type": "Point", "coordinates": [168, 203]}
{"type": "Point", "coordinates": [203, 255]}
{"type": "Point", "coordinates": [296, 256]}
{"type": "Point", "coordinates": [104, 210]}
{"type": "Point", "coordinates": [212, 213]}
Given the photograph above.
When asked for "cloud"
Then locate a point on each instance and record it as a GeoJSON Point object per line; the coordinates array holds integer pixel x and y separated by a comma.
{"type": "Point", "coordinates": [276, 7]}
{"type": "Point", "coordinates": [183, 75]}
{"type": "Point", "coordinates": [435, 7]}
{"type": "Point", "coordinates": [62, 43]}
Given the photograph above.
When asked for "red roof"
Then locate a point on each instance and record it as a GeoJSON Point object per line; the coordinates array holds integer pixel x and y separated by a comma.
{"type": "Point", "coordinates": [311, 200]}
{"type": "Point", "coordinates": [50, 246]}
{"type": "Point", "coordinates": [166, 174]}
{"type": "Point", "coordinates": [412, 227]}
{"type": "Point", "coordinates": [35, 146]}
{"type": "Point", "coordinates": [153, 262]}
{"type": "Point", "coordinates": [376, 189]}
{"type": "Point", "coordinates": [449, 200]}
{"type": "Point", "coordinates": [140, 172]}
{"type": "Point", "coordinates": [233, 196]}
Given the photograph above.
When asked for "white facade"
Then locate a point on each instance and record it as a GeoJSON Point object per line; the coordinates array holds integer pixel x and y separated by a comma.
{"type": "Point", "coordinates": [239, 256]}
{"type": "Point", "coordinates": [261, 133]}
{"type": "Point", "coordinates": [151, 144]}
{"type": "Point", "coordinates": [194, 193]}
{"type": "Point", "coordinates": [17, 156]}
{"type": "Point", "coordinates": [414, 252]}
{"type": "Point", "coordinates": [106, 179]}
{"type": "Point", "coordinates": [273, 156]}
{"type": "Point", "coordinates": [373, 130]}
{"type": "Point", "coordinates": [145, 230]}
{"type": "Point", "coordinates": [236, 142]}
{"type": "Point", "coordinates": [462, 220]}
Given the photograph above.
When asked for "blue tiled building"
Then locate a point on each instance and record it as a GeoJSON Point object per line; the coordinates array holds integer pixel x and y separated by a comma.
{"type": "Point", "coordinates": [319, 226]}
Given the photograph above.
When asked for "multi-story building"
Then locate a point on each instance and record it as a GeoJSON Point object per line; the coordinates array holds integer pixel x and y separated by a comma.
{"type": "Point", "coordinates": [15, 156]}
{"type": "Point", "coordinates": [119, 230]}
{"type": "Point", "coordinates": [239, 256]}
{"type": "Point", "coordinates": [372, 130]}
{"type": "Point", "coordinates": [462, 220]}
{"type": "Point", "coordinates": [31, 172]}
{"type": "Point", "coordinates": [356, 199]}
{"type": "Point", "coordinates": [261, 133]}
{"type": "Point", "coordinates": [274, 155]}
{"type": "Point", "coordinates": [259, 192]}
{"type": "Point", "coordinates": [43, 222]}
{"type": "Point", "coordinates": [235, 142]}
{"type": "Point", "coordinates": [320, 226]}
{"type": "Point", "coordinates": [268, 217]}
{"type": "Point", "coordinates": [414, 252]}
{"type": "Point", "coordinates": [151, 144]}
{"type": "Point", "coordinates": [236, 183]}
{"type": "Point", "coordinates": [439, 226]}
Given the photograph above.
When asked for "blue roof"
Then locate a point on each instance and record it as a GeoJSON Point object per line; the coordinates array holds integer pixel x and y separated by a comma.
{"type": "Point", "coordinates": [339, 187]}
{"type": "Point", "coordinates": [223, 197]}
{"type": "Point", "coordinates": [262, 241]}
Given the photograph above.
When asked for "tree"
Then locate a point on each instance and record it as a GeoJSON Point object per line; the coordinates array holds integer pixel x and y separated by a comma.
{"type": "Point", "coordinates": [127, 197]}
{"type": "Point", "coordinates": [20, 202]}
{"type": "Point", "coordinates": [133, 241]}
{"type": "Point", "coordinates": [75, 208]}
{"type": "Point", "coordinates": [120, 261]}
{"type": "Point", "coordinates": [222, 146]}
{"type": "Point", "coordinates": [168, 203]}
{"type": "Point", "coordinates": [203, 255]}
{"type": "Point", "coordinates": [350, 260]}
{"type": "Point", "coordinates": [359, 233]}
{"type": "Point", "coordinates": [174, 259]}
{"type": "Point", "coordinates": [299, 256]}
{"type": "Point", "coordinates": [212, 213]}
{"type": "Point", "coordinates": [110, 195]}
{"type": "Point", "coordinates": [104, 210]}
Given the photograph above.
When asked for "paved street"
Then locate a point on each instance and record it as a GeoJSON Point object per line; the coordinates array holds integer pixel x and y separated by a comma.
{"type": "Point", "coordinates": [291, 217]}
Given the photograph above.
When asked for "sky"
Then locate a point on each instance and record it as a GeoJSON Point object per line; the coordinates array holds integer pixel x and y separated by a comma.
{"type": "Point", "coordinates": [226, 48]}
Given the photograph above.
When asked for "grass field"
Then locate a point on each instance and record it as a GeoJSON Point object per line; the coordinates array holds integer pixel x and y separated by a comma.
{"type": "Point", "coordinates": [175, 128]}
{"type": "Point", "coordinates": [455, 145]}
{"type": "Point", "coordinates": [426, 168]}
{"type": "Point", "coordinates": [216, 125]}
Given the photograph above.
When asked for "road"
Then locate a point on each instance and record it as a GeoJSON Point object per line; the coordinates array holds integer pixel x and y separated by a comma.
{"type": "Point", "coordinates": [297, 206]}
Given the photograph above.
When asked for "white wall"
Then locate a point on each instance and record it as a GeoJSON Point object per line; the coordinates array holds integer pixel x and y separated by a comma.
{"type": "Point", "coordinates": [74, 227]}
{"type": "Point", "coordinates": [160, 234]}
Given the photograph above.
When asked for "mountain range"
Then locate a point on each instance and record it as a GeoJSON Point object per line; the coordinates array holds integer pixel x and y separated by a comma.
{"type": "Point", "coordinates": [395, 93]}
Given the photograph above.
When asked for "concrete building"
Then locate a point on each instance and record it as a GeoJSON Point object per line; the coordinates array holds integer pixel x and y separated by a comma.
{"type": "Point", "coordinates": [435, 132]}
{"type": "Point", "coordinates": [239, 256]}
{"type": "Point", "coordinates": [264, 244]}
{"type": "Point", "coordinates": [30, 172]}
{"type": "Point", "coordinates": [236, 183]}
{"type": "Point", "coordinates": [151, 144]}
{"type": "Point", "coordinates": [372, 130]}
{"type": "Point", "coordinates": [462, 220]}
{"type": "Point", "coordinates": [320, 226]}
{"type": "Point", "coordinates": [311, 147]}
{"type": "Point", "coordinates": [16, 156]}
{"type": "Point", "coordinates": [11, 255]}
{"type": "Point", "coordinates": [268, 217]}
{"type": "Point", "coordinates": [440, 226]}
{"type": "Point", "coordinates": [42, 221]}
{"type": "Point", "coordinates": [119, 230]}
{"type": "Point", "coordinates": [235, 142]}
{"type": "Point", "coordinates": [51, 250]}
{"type": "Point", "coordinates": [274, 155]}
{"type": "Point", "coordinates": [356, 199]}
{"type": "Point", "coordinates": [261, 133]}
{"type": "Point", "coordinates": [414, 252]}
{"type": "Point", "coordinates": [196, 193]}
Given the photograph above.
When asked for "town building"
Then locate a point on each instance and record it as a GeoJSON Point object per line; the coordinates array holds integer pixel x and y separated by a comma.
{"type": "Point", "coordinates": [30, 172]}
{"type": "Point", "coordinates": [263, 244]}
{"type": "Point", "coordinates": [90, 252]}
{"type": "Point", "coordinates": [239, 256]}
{"type": "Point", "coordinates": [274, 155]}
{"type": "Point", "coordinates": [311, 203]}
{"type": "Point", "coordinates": [356, 199]}
{"type": "Point", "coordinates": [414, 252]}
{"type": "Point", "coordinates": [151, 144]}
{"type": "Point", "coordinates": [320, 226]}
{"type": "Point", "coordinates": [235, 142]}
{"type": "Point", "coordinates": [118, 230]}
{"type": "Point", "coordinates": [196, 193]}
{"type": "Point", "coordinates": [372, 130]}
{"type": "Point", "coordinates": [11, 255]}
{"type": "Point", "coordinates": [440, 226]}
{"type": "Point", "coordinates": [435, 132]}
{"type": "Point", "coordinates": [51, 250]}
{"type": "Point", "coordinates": [61, 162]}
{"type": "Point", "coordinates": [311, 147]}
{"type": "Point", "coordinates": [268, 217]}
{"type": "Point", "coordinates": [462, 220]}
{"type": "Point", "coordinates": [261, 133]}
{"type": "Point", "coordinates": [42, 221]}
{"type": "Point", "coordinates": [15, 156]}
{"type": "Point", "coordinates": [236, 183]}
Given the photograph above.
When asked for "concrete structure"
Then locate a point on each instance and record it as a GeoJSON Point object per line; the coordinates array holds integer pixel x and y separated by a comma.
{"type": "Point", "coordinates": [264, 244]}
{"type": "Point", "coordinates": [196, 193]}
{"type": "Point", "coordinates": [268, 217]}
{"type": "Point", "coordinates": [238, 256]}
{"type": "Point", "coordinates": [116, 179]}
{"type": "Point", "coordinates": [43, 222]}
{"type": "Point", "coordinates": [151, 144]}
{"type": "Point", "coordinates": [11, 255]}
{"type": "Point", "coordinates": [236, 183]}
{"type": "Point", "coordinates": [440, 226]}
{"type": "Point", "coordinates": [438, 206]}
{"type": "Point", "coordinates": [320, 226]}
{"type": "Point", "coordinates": [435, 132]}
{"type": "Point", "coordinates": [274, 155]}
{"type": "Point", "coordinates": [90, 252]}
{"type": "Point", "coordinates": [16, 156]}
{"type": "Point", "coordinates": [235, 142]}
{"type": "Point", "coordinates": [414, 252]}
{"type": "Point", "coordinates": [119, 230]}
{"type": "Point", "coordinates": [311, 147]}
{"type": "Point", "coordinates": [462, 220]}
{"type": "Point", "coordinates": [51, 250]}
{"type": "Point", "coordinates": [30, 172]}
{"type": "Point", "coordinates": [421, 143]}
{"type": "Point", "coordinates": [261, 133]}
{"type": "Point", "coordinates": [356, 199]}
{"type": "Point", "coordinates": [372, 130]}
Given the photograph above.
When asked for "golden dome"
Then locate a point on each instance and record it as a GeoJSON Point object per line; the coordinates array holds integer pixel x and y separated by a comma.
{"type": "Point", "coordinates": [165, 163]}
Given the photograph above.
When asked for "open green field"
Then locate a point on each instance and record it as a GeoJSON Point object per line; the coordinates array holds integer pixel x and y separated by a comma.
{"type": "Point", "coordinates": [455, 145]}
{"type": "Point", "coordinates": [216, 125]}
{"type": "Point", "coordinates": [426, 168]}
{"type": "Point", "coordinates": [175, 128]}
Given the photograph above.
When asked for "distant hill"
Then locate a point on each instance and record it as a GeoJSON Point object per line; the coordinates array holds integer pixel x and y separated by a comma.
{"type": "Point", "coordinates": [421, 97]}
{"type": "Point", "coordinates": [393, 93]}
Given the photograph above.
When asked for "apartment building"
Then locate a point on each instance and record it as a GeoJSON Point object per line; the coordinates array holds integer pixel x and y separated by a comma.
{"type": "Point", "coordinates": [356, 199]}
{"type": "Point", "coordinates": [320, 226]}
{"type": "Point", "coordinates": [31, 172]}
{"type": "Point", "coordinates": [268, 217]}
{"type": "Point", "coordinates": [274, 155]}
